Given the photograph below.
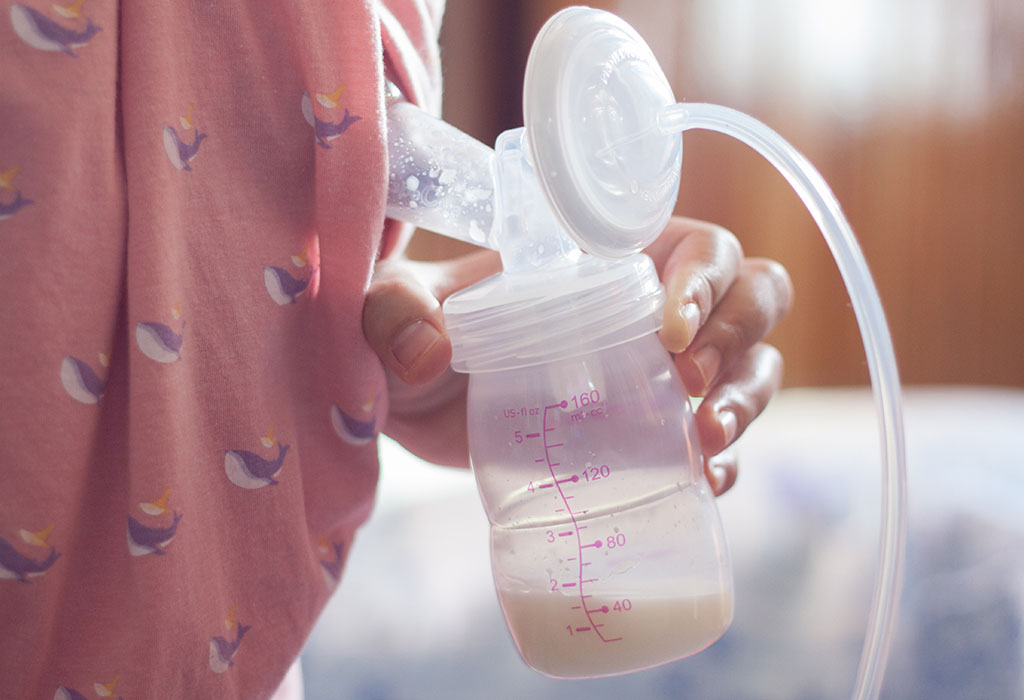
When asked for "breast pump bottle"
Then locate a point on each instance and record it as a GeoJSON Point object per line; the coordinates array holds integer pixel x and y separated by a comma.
{"type": "Point", "coordinates": [607, 549]}
{"type": "Point", "coordinates": [606, 545]}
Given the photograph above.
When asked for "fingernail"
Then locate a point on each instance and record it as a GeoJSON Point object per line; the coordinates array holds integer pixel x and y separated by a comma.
{"type": "Point", "coordinates": [727, 419]}
{"type": "Point", "coordinates": [717, 477]}
{"type": "Point", "coordinates": [690, 313]}
{"type": "Point", "coordinates": [413, 342]}
{"type": "Point", "coordinates": [707, 360]}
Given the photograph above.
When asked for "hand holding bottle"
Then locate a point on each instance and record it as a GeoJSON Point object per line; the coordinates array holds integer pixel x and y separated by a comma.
{"type": "Point", "coordinates": [719, 307]}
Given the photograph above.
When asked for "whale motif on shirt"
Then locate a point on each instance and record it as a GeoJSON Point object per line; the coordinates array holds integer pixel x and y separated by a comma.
{"type": "Point", "coordinates": [352, 430]}
{"type": "Point", "coordinates": [222, 651]}
{"type": "Point", "coordinates": [65, 693]}
{"type": "Point", "coordinates": [9, 209]}
{"type": "Point", "coordinates": [150, 540]}
{"type": "Point", "coordinates": [250, 471]}
{"type": "Point", "coordinates": [157, 507]}
{"type": "Point", "coordinates": [106, 690]}
{"type": "Point", "coordinates": [158, 342]}
{"type": "Point", "coordinates": [332, 567]}
{"type": "Point", "coordinates": [80, 381]}
{"type": "Point", "coordinates": [15, 565]}
{"type": "Point", "coordinates": [38, 538]}
{"type": "Point", "coordinates": [179, 152]}
{"type": "Point", "coordinates": [325, 131]}
{"type": "Point", "coordinates": [40, 32]}
{"type": "Point", "coordinates": [283, 288]}
{"type": "Point", "coordinates": [330, 99]}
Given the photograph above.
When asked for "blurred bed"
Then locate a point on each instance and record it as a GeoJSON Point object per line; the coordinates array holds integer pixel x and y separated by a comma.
{"type": "Point", "coordinates": [416, 616]}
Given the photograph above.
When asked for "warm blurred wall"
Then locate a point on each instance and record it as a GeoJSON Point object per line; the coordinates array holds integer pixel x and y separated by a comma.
{"type": "Point", "coordinates": [914, 113]}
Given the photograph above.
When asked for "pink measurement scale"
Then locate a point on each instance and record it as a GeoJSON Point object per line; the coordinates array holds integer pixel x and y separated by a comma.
{"type": "Point", "coordinates": [584, 577]}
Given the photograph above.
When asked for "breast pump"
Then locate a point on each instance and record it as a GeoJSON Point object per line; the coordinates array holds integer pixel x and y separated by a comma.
{"type": "Point", "coordinates": [606, 545]}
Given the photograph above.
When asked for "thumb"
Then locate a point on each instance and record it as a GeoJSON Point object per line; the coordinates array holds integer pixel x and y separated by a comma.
{"type": "Point", "coordinates": [402, 317]}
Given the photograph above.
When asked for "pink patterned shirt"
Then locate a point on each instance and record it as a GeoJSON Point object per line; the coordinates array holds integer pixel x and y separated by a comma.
{"type": "Point", "coordinates": [191, 204]}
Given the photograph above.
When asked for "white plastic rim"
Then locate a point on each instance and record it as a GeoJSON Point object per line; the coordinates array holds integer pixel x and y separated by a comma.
{"type": "Point", "coordinates": [513, 321]}
{"type": "Point", "coordinates": [591, 93]}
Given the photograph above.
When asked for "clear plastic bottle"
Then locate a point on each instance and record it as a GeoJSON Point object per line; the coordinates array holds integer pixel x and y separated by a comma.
{"type": "Point", "coordinates": [607, 549]}
{"type": "Point", "coordinates": [606, 545]}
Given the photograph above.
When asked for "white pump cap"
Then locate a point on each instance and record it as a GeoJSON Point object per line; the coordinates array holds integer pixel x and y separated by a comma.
{"type": "Point", "coordinates": [591, 97]}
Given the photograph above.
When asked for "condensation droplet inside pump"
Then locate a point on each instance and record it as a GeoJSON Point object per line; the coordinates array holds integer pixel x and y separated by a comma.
{"type": "Point", "coordinates": [444, 181]}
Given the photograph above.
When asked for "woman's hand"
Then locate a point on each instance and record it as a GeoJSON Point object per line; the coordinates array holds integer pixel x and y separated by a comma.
{"type": "Point", "coordinates": [719, 306]}
{"type": "Point", "coordinates": [403, 322]}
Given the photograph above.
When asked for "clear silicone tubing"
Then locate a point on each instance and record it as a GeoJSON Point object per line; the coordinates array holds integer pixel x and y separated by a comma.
{"type": "Point", "coordinates": [823, 206]}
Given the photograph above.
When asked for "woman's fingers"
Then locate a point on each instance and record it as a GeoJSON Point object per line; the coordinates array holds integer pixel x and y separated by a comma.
{"type": "Point", "coordinates": [758, 298]}
{"type": "Point", "coordinates": [738, 397]}
{"type": "Point", "coordinates": [698, 263]}
{"type": "Point", "coordinates": [402, 317]}
{"type": "Point", "coordinates": [403, 323]}
{"type": "Point", "coordinates": [721, 471]}
{"type": "Point", "coordinates": [718, 307]}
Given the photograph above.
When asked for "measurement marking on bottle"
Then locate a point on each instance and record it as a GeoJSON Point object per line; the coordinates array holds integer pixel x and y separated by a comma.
{"type": "Point", "coordinates": [534, 435]}
{"type": "Point", "coordinates": [577, 529]}
{"type": "Point", "coordinates": [546, 486]}
{"type": "Point", "coordinates": [540, 460]}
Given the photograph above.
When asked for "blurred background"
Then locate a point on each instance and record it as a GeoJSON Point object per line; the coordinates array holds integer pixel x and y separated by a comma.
{"type": "Point", "coordinates": [913, 110]}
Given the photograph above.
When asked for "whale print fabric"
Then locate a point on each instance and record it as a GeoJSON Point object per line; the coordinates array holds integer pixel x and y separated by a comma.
{"type": "Point", "coordinates": [192, 201]}
{"type": "Point", "coordinates": [40, 31]}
